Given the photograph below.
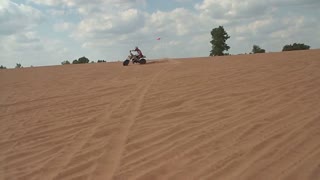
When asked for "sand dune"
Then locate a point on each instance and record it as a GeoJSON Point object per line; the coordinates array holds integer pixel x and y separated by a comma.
{"type": "Point", "coordinates": [235, 117]}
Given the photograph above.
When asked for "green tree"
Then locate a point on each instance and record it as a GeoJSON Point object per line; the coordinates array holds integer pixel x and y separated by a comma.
{"type": "Point", "coordinates": [3, 67]}
{"type": "Point", "coordinates": [257, 49]}
{"type": "Point", "coordinates": [83, 60]}
{"type": "Point", "coordinates": [75, 62]}
{"type": "Point", "coordinates": [295, 46]}
{"type": "Point", "coordinates": [101, 61]}
{"type": "Point", "coordinates": [18, 65]}
{"type": "Point", "coordinates": [65, 62]}
{"type": "Point", "coordinates": [219, 38]}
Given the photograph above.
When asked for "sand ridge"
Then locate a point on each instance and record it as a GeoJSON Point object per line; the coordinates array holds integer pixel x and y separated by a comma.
{"type": "Point", "coordinates": [233, 117]}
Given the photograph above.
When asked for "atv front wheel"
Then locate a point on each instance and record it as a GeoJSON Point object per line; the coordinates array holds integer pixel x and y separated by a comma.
{"type": "Point", "coordinates": [126, 62]}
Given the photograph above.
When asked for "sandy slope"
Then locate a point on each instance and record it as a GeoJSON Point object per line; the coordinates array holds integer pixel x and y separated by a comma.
{"type": "Point", "coordinates": [236, 117]}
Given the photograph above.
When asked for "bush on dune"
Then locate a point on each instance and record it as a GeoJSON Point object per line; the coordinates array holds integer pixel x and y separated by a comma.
{"type": "Point", "coordinates": [257, 49]}
{"type": "Point", "coordinates": [295, 46]}
{"type": "Point", "coordinates": [65, 62]}
{"type": "Point", "coordinates": [18, 65]}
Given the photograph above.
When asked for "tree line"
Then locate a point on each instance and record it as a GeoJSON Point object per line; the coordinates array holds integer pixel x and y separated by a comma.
{"type": "Point", "coordinates": [219, 45]}
{"type": "Point", "coordinates": [81, 60]}
{"type": "Point", "coordinates": [18, 65]}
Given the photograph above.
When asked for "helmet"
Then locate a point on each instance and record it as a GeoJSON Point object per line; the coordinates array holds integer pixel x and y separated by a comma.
{"type": "Point", "coordinates": [136, 47]}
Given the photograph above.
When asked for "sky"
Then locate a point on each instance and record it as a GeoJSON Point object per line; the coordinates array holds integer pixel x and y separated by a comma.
{"type": "Point", "coordinates": [47, 32]}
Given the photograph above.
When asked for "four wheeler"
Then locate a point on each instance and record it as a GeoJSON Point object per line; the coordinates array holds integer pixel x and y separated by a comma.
{"type": "Point", "coordinates": [135, 59]}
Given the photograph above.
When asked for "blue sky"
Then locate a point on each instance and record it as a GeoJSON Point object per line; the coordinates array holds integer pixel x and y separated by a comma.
{"type": "Point", "coordinates": [47, 32]}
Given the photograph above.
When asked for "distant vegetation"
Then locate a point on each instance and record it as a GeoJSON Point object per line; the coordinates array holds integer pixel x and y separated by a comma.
{"type": "Point", "coordinates": [18, 65]}
{"type": "Point", "coordinates": [65, 62]}
{"type": "Point", "coordinates": [295, 46]}
{"type": "Point", "coordinates": [257, 49]}
{"type": "Point", "coordinates": [82, 60]}
{"type": "Point", "coordinates": [219, 45]}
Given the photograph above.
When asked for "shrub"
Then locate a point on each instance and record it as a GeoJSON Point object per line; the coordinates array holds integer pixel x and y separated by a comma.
{"type": "Point", "coordinates": [65, 62]}
{"type": "Point", "coordinates": [257, 49]}
{"type": "Point", "coordinates": [83, 60]}
{"type": "Point", "coordinates": [18, 65]}
{"type": "Point", "coordinates": [295, 46]}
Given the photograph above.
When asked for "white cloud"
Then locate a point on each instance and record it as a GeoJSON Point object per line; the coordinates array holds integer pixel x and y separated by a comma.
{"type": "Point", "coordinates": [92, 4]}
{"type": "Point", "coordinates": [61, 27]}
{"type": "Point", "coordinates": [16, 18]}
{"type": "Point", "coordinates": [131, 27]}
{"type": "Point", "coordinates": [4, 4]}
{"type": "Point", "coordinates": [60, 13]}
{"type": "Point", "coordinates": [233, 9]}
{"type": "Point", "coordinates": [179, 21]}
{"type": "Point", "coordinates": [67, 3]}
{"type": "Point", "coordinates": [183, 1]}
{"type": "Point", "coordinates": [28, 49]}
{"type": "Point", "coordinates": [105, 25]}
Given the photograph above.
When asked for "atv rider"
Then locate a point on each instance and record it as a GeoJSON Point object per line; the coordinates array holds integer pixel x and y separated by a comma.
{"type": "Point", "coordinates": [140, 55]}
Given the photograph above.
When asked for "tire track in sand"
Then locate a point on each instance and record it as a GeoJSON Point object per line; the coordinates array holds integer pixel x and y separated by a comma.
{"type": "Point", "coordinates": [129, 109]}
{"type": "Point", "coordinates": [66, 169]}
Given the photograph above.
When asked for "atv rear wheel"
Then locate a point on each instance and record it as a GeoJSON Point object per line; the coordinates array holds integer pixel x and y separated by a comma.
{"type": "Point", "coordinates": [142, 61]}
